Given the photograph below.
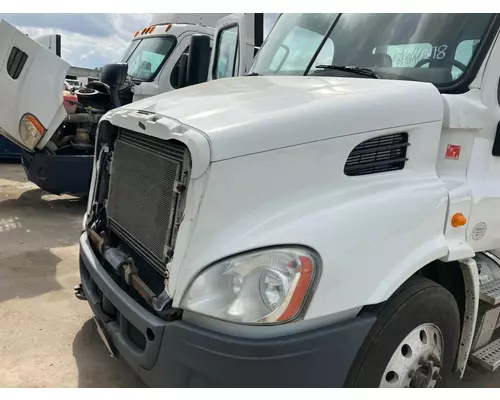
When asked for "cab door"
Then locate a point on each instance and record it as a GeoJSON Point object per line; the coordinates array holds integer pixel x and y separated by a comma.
{"type": "Point", "coordinates": [31, 86]}
{"type": "Point", "coordinates": [237, 39]}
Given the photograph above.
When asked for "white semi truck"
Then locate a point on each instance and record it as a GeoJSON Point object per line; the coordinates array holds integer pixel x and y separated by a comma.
{"type": "Point", "coordinates": [329, 220]}
{"type": "Point", "coordinates": [162, 57]}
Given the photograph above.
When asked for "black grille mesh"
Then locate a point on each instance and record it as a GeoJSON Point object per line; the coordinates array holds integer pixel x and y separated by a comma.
{"type": "Point", "coordinates": [142, 201]}
{"type": "Point", "coordinates": [380, 154]}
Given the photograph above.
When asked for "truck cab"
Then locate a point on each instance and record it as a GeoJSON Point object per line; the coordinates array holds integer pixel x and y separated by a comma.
{"type": "Point", "coordinates": [154, 56]}
{"type": "Point", "coordinates": [328, 220]}
{"type": "Point", "coordinates": [172, 52]}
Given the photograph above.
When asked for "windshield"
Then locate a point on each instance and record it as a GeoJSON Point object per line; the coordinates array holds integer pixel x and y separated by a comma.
{"type": "Point", "coordinates": [145, 57]}
{"type": "Point", "coordinates": [434, 48]}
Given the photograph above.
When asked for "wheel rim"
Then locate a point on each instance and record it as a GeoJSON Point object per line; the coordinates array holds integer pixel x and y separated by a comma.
{"type": "Point", "coordinates": [417, 360]}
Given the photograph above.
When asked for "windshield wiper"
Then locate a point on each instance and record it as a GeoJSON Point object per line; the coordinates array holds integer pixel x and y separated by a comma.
{"type": "Point", "coordinates": [355, 70]}
{"type": "Point", "coordinates": [253, 74]}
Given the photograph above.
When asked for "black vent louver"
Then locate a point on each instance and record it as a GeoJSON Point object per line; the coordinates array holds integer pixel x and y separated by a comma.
{"type": "Point", "coordinates": [380, 154]}
{"type": "Point", "coordinates": [15, 63]}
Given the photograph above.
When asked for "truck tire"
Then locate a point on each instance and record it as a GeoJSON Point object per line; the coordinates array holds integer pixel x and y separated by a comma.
{"type": "Point", "coordinates": [414, 341]}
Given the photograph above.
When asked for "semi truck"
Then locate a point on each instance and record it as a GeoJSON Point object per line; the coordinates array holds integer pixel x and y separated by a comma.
{"type": "Point", "coordinates": [330, 219]}
{"type": "Point", "coordinates": [160, 58]}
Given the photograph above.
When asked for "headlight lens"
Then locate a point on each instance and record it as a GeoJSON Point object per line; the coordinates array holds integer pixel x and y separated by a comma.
{"type": "Point", "coordinates": [30, 130]}
{"type": "Point", "coordinates": [266, 286]}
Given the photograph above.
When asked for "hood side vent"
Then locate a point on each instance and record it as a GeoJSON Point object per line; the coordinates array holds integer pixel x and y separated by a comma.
{"type": "Point", "coordinates": [380, 154]}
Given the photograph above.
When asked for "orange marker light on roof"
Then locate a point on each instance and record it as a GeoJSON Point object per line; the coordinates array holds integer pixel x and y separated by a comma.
{"type": "Point", "coordinates": [144, 31]}
{"type": "Point", "coordinates": [136, 34]}
{"type": "Point", "coordinates": [150, 30]}
{"type": "Point", "coordinates": [458, 219]}
{"type": "Point", "coordinates": [167, 28]}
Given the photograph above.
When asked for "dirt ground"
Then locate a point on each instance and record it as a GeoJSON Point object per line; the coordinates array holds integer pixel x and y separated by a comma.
{"type": "Point", "coordinates": [47, 337]}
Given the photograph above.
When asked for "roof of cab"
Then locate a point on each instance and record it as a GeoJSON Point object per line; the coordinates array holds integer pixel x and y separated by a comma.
{"type": "Point", "coordinates": [209, 19]}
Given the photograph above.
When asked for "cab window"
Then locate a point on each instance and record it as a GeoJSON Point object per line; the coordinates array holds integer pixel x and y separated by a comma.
{"type": "Point", "coordinates": [297, 50]}
{"type": "Point", "coordinates": [406, 55]}
{"type": "Point", "coordinates": [147, 58]}
{"type": "Point", "coordinates": [294, 41]}
{"type": "Point", "coordinates": [174, 76]}
{"type": "Point", "coordinates": [227, 55]}
{"type": "Point", "coordinates": [463, 54]}
{"type": "Point", "coordinates": [410, 55]}
{"type": "Point", "coordinates": [435, 48]}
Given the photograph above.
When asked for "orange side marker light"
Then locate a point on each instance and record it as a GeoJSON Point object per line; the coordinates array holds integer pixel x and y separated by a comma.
{"type": "Point", "coordinates": [458, 219]}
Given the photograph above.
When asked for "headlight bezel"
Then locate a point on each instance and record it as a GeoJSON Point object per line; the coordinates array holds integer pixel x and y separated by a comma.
{"type": "Point", "coordinates": [306, 299]}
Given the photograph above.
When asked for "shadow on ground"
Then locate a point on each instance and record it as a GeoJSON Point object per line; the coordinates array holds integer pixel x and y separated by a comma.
{"type": "Point", "coordinates": [96, 368]}
{"type": "Point", "coordinates": [28, 275]}
{"type": "Point", "coordinates": [12, 170]}
{"type": "Point", "coordinates": [37, 200]}
{"type": "Point", "coordinates": [11, 161]}
{"type": "Point", "coordinates": [31, 226]}
{"type": "Point", "coordinates": [38, 220]}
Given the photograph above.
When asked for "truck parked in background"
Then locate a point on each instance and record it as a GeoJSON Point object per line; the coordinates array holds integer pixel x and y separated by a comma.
{"type": "Point", "coordinates": [74, 82]}
{"type": "Point", "coordinates": [162, 57]}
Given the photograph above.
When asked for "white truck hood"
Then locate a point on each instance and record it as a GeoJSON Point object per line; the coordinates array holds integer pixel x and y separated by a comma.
{"type": "Point", "coordinates": [248, 115]}
{"type": "Point", "coordinates": [31, 83]}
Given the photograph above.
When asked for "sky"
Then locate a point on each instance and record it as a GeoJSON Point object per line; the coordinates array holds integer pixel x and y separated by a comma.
{"type": "Point", "coordinates": [89, 40]}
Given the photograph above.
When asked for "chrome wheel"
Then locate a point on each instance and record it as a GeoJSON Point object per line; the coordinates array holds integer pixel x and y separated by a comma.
{"type": "Point", "coordinates": [416, 363]}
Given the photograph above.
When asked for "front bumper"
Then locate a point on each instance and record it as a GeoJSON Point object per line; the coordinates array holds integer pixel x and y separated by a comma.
{"type": "Point", "coordinates": [59, 174]}
{"type": "Point", "coordinates": [179, 354]}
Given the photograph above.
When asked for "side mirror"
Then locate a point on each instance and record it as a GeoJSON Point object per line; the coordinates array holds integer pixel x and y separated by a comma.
{"type": "Point", "coordinates": [199, 60]}
{"type": "Point", "coordinates": [114, 75]}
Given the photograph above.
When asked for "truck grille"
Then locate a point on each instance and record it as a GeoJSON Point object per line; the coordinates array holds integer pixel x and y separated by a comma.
{"type": "Point", "coordinates": [142, 204]}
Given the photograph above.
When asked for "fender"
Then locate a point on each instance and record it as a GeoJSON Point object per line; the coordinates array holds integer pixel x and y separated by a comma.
{"type": "Point", "coordinates": [310, 202]}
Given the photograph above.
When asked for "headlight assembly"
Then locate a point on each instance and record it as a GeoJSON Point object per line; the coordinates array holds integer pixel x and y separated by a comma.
{"type": "Point", "coordinates": [261, 287]}
{"type": "Point", "coordinates": [31, 130]}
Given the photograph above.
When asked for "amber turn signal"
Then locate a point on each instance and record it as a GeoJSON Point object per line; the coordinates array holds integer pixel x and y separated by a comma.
{"type": "Point", "coordinates": [458, 219]}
